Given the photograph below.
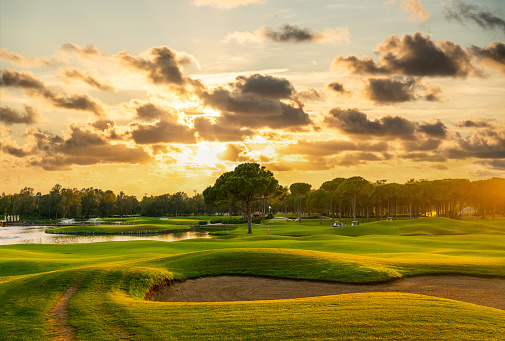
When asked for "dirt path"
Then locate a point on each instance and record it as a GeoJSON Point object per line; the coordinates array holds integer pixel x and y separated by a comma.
{"type": "Point", "coordinates": [59, 316]}
{"type": "Point", "coordinates": [488, 292]}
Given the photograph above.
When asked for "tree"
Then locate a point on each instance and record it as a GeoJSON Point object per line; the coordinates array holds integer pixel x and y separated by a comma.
{"type": "Point", "coordinates": [246, 183]}
{"type": "Point", "coordinates": [354, 187]}
{"type": "Point", "coordinates": [299, 191]}
{"type": "Point", "coordinates": [319, 200]}
{"type": "Point", "coordinates": [334, 195]}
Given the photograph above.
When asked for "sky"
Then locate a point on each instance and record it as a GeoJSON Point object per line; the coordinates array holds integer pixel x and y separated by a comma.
{"type": "Point", "coordinates": [154, 97]}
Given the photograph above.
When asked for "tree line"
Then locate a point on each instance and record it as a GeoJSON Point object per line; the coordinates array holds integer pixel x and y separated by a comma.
{"type": "Point", "coordinates": [251, 187]}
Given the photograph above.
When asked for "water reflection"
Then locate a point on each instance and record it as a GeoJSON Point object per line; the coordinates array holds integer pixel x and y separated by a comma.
{"type": "Point", "coordinates": [36, 235]}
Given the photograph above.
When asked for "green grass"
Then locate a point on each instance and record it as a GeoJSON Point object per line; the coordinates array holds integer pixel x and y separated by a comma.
{"type": "Point", "coordinates": [114, 278]}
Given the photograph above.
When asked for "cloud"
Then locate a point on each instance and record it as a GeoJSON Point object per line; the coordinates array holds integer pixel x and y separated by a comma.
{"type": "Point", "coordinates": [162, 66]}
{"type": "Point", "coordinates": [265, 86]}
{"type": "Point", "coordinates": [353, 122]}
{"type": "Point", "coordinates": [150, 112]}
{"type": "Point", "coordinates": [235, 153]}
{"type": "Point", "coordinates": [494, 164]}
{"type": "Point", "coordinates": [79, 146]}
{"type": "Point", "coordinates": [10, 116]}
{"type": "Point", "coordinates": [493, 55]}
{"type": "Point", "coordinates": [103, 124]}
{"type": "Point", "coordinates": [290, 34]}
{"type": "Point", "coordinates": [462, 12]}
{"type": "Point", "coordinates": [438, 129]}
{"type": "Point", "coordinates": [165, 129]}
{"type": "Point", "coordinates": [223, 130]}
{"type": "Point", "coordinates": [487, 142]}
{"type": "Point", "coordinates": [88, 52]}
{"type": "Point", "coordinates": [338, 88]}
{"type": "Point", "coordinates": [412, 55]}
{"type": "Point", "coordinates": [414, 8]}
{"type": "Point", "coordinates": [226, 4]}
{"type": "Point", "coordinates": [27, 61]}
{"type": "Point", "coordinates": [35, 87]}
{"type": "Point", "coordinates": [331, 147]}
{"type": "Point", "coordinates": [309, 94]}
{"type": "Point", "coordinates": [87, 77]}
{"type": "Point", "coordinates": [399, 89]}
{"type": "Point", "coordinates": [247, 103]}
{"type": "Point", "coordinates": [478, 123]}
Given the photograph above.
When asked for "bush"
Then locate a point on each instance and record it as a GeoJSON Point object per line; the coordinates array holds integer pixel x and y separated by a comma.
{"type": "Point", "coordinates": [269, 216]}
{"type": "Point", "coordinates": [202, 222]}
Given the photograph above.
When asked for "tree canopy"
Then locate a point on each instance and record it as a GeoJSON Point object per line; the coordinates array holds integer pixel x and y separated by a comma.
{"type": "Point", "coordinates": [240, 187]}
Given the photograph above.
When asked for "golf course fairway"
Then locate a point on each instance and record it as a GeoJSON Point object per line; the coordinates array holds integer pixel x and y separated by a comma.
{"type": "Point", "coordinates": [97, 291]}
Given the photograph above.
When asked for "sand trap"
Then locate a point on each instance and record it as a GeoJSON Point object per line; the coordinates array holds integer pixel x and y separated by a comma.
{"type": "Point", "coordinates": [488, 292]}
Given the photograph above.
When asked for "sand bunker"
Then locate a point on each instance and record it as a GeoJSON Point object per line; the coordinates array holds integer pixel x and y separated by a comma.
{"type": "Point", "coordinates": [488, 292]}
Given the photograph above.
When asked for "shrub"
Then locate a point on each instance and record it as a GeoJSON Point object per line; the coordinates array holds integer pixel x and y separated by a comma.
{"type": "Point", "coordinates": [202, 222]}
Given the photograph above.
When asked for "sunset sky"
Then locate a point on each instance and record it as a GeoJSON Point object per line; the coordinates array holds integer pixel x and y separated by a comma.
{"type": "Point", "coordinates": [154, 97]}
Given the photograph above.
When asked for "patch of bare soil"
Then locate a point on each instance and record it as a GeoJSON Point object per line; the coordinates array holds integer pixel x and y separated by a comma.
{"type": "Point", "coordinates": [59, 316]}
{"type": "Point", "coordinates": [489, 292]}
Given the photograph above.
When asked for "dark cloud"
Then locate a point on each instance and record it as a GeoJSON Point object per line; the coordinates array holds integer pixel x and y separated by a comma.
{"type": "Point", "coordinates": [163, 66]}
{"type": "Point", "coordinates": [8, 147]}
{"type": "Point", "coordinates": [494, 164]}
{"type": "Point", "coordinates": [88, 78]}
{"type": "Point", "coordinates": [35, 87]}
{"type": "Point", "coordinates": [422, 145]}
{"type": "Point", "coordinates": [10, 116]}
{"type": "Point", "coordinates": [412, 55]}
{"type": "Point", "coordinates": [338, 88]}
{"type": "Point", "coordinates": [103, 124]}
{"type": "Point", "coordinates": [150, 112]}
{"type": "Point", "coordinates": [399, 89]}
{"type": "Point", "coordinates": [493, 55]}
{"type": "Point", "coordinates": [265, 86]}
{"type": "Point", "coordinates": [462, 12]}
{"type": "Point", "coordinates": [164, 131]}
{"type": "Point", "coordinates": [290, 33]}
{"type": "Point", "coordinates": [437, 130]}
{"type": "Point", "coordinates": [79, 147]}
{"type": "Point", "coordinates": [255, 109]}
{"type": "Point", "coordinates": [355, 122]}
{"type": "Point", "coordinates": [484, 143]}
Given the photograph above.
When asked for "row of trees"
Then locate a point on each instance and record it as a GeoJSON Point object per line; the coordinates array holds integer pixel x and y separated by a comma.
{"type": "Point", "coordinates": [452, 198]}
{"type": "Point", "coordinates": [251, 187]}
{"type": "Point", "coordinates": [250, 183]}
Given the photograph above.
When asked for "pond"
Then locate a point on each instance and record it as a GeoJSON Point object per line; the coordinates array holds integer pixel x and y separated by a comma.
{"type": "Point", "coordinates": [36, 235]}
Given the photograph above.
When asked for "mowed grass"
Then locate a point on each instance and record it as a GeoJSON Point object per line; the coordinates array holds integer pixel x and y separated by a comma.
{"type": "Point", "coordinates": [114, 278]}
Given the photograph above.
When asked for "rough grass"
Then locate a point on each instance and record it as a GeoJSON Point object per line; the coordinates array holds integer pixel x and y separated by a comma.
{"type": "Point", "coordinates": [114, 278]}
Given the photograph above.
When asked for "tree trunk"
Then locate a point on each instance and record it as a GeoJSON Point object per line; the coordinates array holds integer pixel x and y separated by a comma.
{"type": "Point", "coordinates": [249, 218]}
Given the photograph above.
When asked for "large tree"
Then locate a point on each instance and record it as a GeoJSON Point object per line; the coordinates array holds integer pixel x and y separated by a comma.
{"type": "Point", "coordinates": [246, 183]}
{"type": "Point", "coordinates": [300, 190]}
